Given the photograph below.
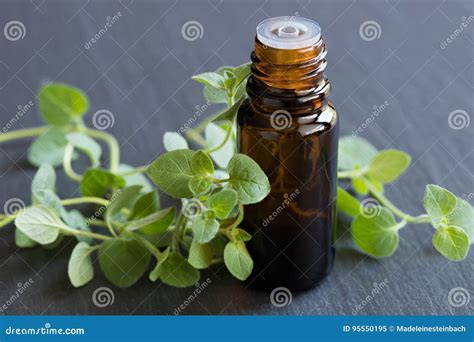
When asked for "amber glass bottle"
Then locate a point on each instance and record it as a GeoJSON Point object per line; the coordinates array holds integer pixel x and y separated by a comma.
{"type": "Point", "coordinates": [290, 128]}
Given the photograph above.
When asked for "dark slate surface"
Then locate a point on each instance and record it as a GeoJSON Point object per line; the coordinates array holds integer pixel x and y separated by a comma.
{"type": "Point", "coordinates": [140, 70]}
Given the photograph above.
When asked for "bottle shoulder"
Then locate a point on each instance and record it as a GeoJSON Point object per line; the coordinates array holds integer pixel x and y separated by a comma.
{"type": "Point", "coordinates": [319, 121]}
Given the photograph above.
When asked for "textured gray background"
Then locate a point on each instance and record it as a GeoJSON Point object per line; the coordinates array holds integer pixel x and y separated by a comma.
{"type": "Point", "coordinates": [140, 71]}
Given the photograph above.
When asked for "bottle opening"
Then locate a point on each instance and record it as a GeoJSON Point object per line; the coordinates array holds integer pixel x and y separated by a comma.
{"type": "Point", "coordinates": [288, 33]}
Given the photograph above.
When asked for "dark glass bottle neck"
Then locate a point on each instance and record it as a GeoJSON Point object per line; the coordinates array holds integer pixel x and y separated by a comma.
{"type": "Point", "coordinates": [290, 79]}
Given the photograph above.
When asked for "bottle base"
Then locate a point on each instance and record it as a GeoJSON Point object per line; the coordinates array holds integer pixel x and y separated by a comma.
{"type": "Point", "coordinates": [301, 285]}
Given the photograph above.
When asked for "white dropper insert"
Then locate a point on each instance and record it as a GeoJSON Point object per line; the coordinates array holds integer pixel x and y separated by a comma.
{"type": "Point", "coordinates": [288, 33]}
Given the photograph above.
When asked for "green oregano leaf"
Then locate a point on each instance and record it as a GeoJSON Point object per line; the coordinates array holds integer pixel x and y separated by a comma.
{"type": "Point", "coordinates": [462, 216]}
{"type": "Point", "coordinates": [154, 223]}
{"type": "Point", "coordinates": [120, 208]}
{"type": "Point", "coordinates": [355, 152]}
{"type": "Point", "coordinates": [211, 79]}
{"type": "Point", "coordinates": [201, 164]}
{"type": "Point", "coordinates": [176, 271]}
{"type": "Point", "coordinates": [376, 234]}
{"type": "Point", "coordinates": [388, 165]}
{"type": "Point", "coordinates": [97, 182]}
{"type": "Point", "coordinates": [238, 260]}
{"type": "Point", "coordinates": [48, 148]}
{"type": "Point", "coordinates": [438, 203]}
{"type": "Point", "coordinates": [41, 224]}
{"type": "Point", "coordinates": [204, 230]}
{"type": "Point", "coordinates": [171, 172]}
{"type": "Point", "coordinates": [199, 185]}
{"type": "Point", "coordinates": [80, 269]}
{"type": "Point", "coordinates": [346, 203]}
{"type": "Point", "coordinates": [452, 242]}
{"type": "Point", "coordinates": [123, 261]}
{"type": "Point", "coordinates": [174, 141]}
{"type": "Point", "coordinates": [247, 179]}
{"type": "Point", "coordinates": [60, 103]}
{"type": "Point", "coordinates": [223, 202]}
{"type": "Point", "coordinates": [200, 255]}
{"type": "Point", "coordinates": [44, 179]}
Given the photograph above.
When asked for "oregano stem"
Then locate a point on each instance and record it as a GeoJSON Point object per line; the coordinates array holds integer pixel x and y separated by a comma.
{"type": "Point", "coordinates": [153, 250]}
{"type": "Point", "coordinates": [223, 142]}
{"type": "Point", "coordinates": [23, 133]}
{"type": "Point", "coordinates": [139, 169]}
{"type": "Point", "coordinates": [390, 206]}
{"type": "Point", "coordinates": [77, 232]}
{"type": "Point", "coordinates": [114, 148]}
{"type": "Point", "coordinates": [68, 152]}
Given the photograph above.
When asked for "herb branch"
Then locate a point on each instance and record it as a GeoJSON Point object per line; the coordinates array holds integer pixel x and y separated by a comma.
{"type": "Point", "coordinates": [129, 227]}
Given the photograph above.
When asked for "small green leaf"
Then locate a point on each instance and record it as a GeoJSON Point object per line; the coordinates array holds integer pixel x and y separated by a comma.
{"type": "Point", "coordinates": [87, 145]}
{"type": "Point", "coordinates": [215, 135]}
{"type": "Point", "coordinates": [41, 224]}
{"type": "Point", "coordinates": [242, 71]}
{"type": "Point", "coordinates": [155, 223]}
{"type": "Point", "coordinates": [171, 172]}
{"type": "Point", "coordinates": [74, 219]}
{"type": "Point", "coordinates": [60, 103]}
{"type": "Point", "coordinates": [376, 235]}
{"type": "Point", "coordinates": [23, 241]}
{"type": "Point", "coordinates": [48, 148]}
{"type": "Point", "coordinates": [211, 79]}
{"type": "Point", "coordinates": [204, 230]}
{"type": "Point", "coordinates": [176, 271]}
{"type": "Point", "coordinates": [199, 185]}
{"type": "Point", "coordinates": [248, 179]}
{"type": "Point", "coordinates": [123, 261]}
{"type": "Point", "coordinates": [80, 269]}
{"type": "Point", "coordinates": [121, 205]}
{"type": "Point", "coordinates": [238, 260]}
{"type": "Point", "coordinates": [359, 186]}
{"type": "Point", "coordinates": [215, 95]}
{"type": "Point", "coordinates": [222, 202]}
{"type": "Point", "coordinates": [452, 242]}
{"type": "Point", "coordinates": [229, 114]}
{"type": "Point", "coordinates": [462, 216]}
{"type": "Point", "coordinates": [97, 182]}
{"type": "Point", "coordinates": [174, 141]}
{"type": "Point", "coordinates": [346, 203]}
{"type": "Point", "coordinates": [135, 179]}
{"type": "Point", "coordinates": [200, 255]}
{"type": "Point", "coordinates": [44, 179]}
{"type": "Point", "coordinates": [388, 165]}
{"type": "Point", "coordinates": [146, 205]}
{"type": "Point", "coordinates": [201, 164]}
{"type": "Point", "coordinates": [438, 203]}
{"type": "Point", "coordinates": [353, 152]}
{"type": "Point", "coordinates": [239, 234]}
